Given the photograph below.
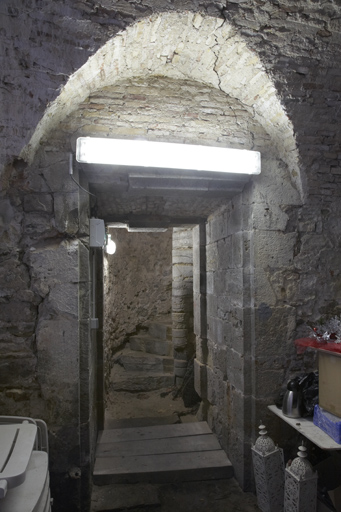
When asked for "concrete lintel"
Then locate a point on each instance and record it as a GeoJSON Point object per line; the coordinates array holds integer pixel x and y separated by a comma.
{"type": "Point", "coordinates": [158, 221]}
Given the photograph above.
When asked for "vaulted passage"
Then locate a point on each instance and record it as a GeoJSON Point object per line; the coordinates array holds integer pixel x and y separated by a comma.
{"type": "Point", "coordinates": [201, 104]}
{"type": "Point", "coordinates": [243, 265]}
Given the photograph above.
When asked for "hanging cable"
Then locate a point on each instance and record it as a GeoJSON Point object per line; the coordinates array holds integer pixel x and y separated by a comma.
{"type": "Point", "coordinates": [73, 179]}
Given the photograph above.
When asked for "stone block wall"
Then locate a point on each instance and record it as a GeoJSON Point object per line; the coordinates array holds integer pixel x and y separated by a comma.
{"type": "Point", "coordinates": [259, 300]}
{"type": "Point", "coordinates": [45, 316]}
{"type": "Point", "coordinates": [227, 308]}
{"type": "Point", "coordinates": [182, 301]}
{"type": "Point", "coordinates": [272, 252]}
{"type": "Point", "coordinates": [137, 285]}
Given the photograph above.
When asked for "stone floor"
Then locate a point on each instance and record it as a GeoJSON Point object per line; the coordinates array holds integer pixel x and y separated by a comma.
{"type": "Point", "coordinates": [124, 409]}
{"type": "Point", "coordinates": [159, 403]}
{"type": "Point", "coordinates": [207, 496]}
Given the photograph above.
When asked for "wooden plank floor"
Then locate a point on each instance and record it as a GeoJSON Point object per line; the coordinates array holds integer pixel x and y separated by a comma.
{"type": "Point", "coordinates": [162, 453]}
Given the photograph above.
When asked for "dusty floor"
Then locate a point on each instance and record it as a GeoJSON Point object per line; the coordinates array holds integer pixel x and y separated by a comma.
{"type": "Point", "coordinates": [124, 409]}
{"type": "Point", "coordinates": [149, 404]}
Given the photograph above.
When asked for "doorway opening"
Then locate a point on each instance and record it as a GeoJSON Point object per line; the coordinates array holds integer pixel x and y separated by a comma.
{"type": "Point", "coordinates": [149, 341]}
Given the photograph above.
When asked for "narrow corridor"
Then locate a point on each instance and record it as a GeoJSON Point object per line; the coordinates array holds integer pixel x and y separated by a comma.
{"type": "Point", "coordinates": [159, 407]}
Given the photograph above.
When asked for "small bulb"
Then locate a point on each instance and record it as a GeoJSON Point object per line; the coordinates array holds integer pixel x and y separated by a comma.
{"type": "Point", "coordinates": [111, 246]}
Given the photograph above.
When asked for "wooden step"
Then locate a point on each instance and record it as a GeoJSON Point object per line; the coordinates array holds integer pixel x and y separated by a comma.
{"type": "Point", "coordinates": [159, 446]}
{"type": "Point", "coordinates": [153, 432]}
{"type": "Point", "coordinates": [158, 454]}
{"type": "Point", "coordinates": [141, 422]}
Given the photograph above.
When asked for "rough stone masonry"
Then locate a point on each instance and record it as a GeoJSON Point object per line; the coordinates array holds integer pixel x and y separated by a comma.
{"type": "Point", "coordinates": [251, 74]}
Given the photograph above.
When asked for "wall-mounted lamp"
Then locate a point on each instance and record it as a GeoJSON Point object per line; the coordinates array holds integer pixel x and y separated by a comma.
{"type": "Point", "coordinates": [110, 246]}
{"type": "Point", "coordinates": [142, 153]}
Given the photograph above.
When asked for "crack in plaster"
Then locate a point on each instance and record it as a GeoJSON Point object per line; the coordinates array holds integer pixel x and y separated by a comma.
{"type": "Point", "coordinates": [216, 60]}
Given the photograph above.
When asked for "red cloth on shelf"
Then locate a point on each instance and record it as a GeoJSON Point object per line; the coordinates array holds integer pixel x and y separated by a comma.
{"type": "Point", "coordinates": [303, 343]}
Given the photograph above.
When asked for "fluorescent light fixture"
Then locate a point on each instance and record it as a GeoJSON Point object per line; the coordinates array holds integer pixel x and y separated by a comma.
{"type": "Point", "coordinates": [142, 153]}
{"type": "Point", "coordinates": [147, 230]}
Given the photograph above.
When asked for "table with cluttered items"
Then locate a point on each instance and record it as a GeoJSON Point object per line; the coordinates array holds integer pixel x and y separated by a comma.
{"type": "Point", "coordinates": [306, 428]}
{"type": "Point", "coordinates": [311, 404]}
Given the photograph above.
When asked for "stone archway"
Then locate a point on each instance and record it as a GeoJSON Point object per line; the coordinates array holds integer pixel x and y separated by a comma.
{"type": "Point", "coordinates": [180, 46]}
{"type": "Point", "coordinates": [208, 51]}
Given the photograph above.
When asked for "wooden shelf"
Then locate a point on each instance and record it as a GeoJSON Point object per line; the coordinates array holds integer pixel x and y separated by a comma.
{"type": "Point", "coordinates": [306, 428]}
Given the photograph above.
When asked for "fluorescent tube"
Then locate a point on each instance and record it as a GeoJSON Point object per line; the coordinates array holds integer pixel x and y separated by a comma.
{"type": "Point", "coordinates": [142, 153]}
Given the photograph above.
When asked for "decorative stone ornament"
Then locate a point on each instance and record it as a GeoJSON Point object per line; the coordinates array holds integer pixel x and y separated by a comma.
{"type": "Point", "coordinates": [301, 466]}
{"type": "Point", "coordinates": [268, 467]}
{"type": "Point", "coordinates": [264, 444]}
{"type": "Point", "coordinates": [300, 491]}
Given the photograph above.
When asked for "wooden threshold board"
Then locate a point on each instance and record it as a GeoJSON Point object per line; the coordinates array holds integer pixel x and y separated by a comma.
{"type": "Point", "coordinates": [159, 454]}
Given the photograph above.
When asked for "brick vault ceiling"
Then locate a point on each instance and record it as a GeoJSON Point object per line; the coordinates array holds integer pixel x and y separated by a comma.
{"type": "Point", "coordinates": [163, 109]}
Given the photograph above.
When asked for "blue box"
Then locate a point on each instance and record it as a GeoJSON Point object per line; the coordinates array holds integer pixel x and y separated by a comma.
{"type": "Point", "coordinates": [328, 422]}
